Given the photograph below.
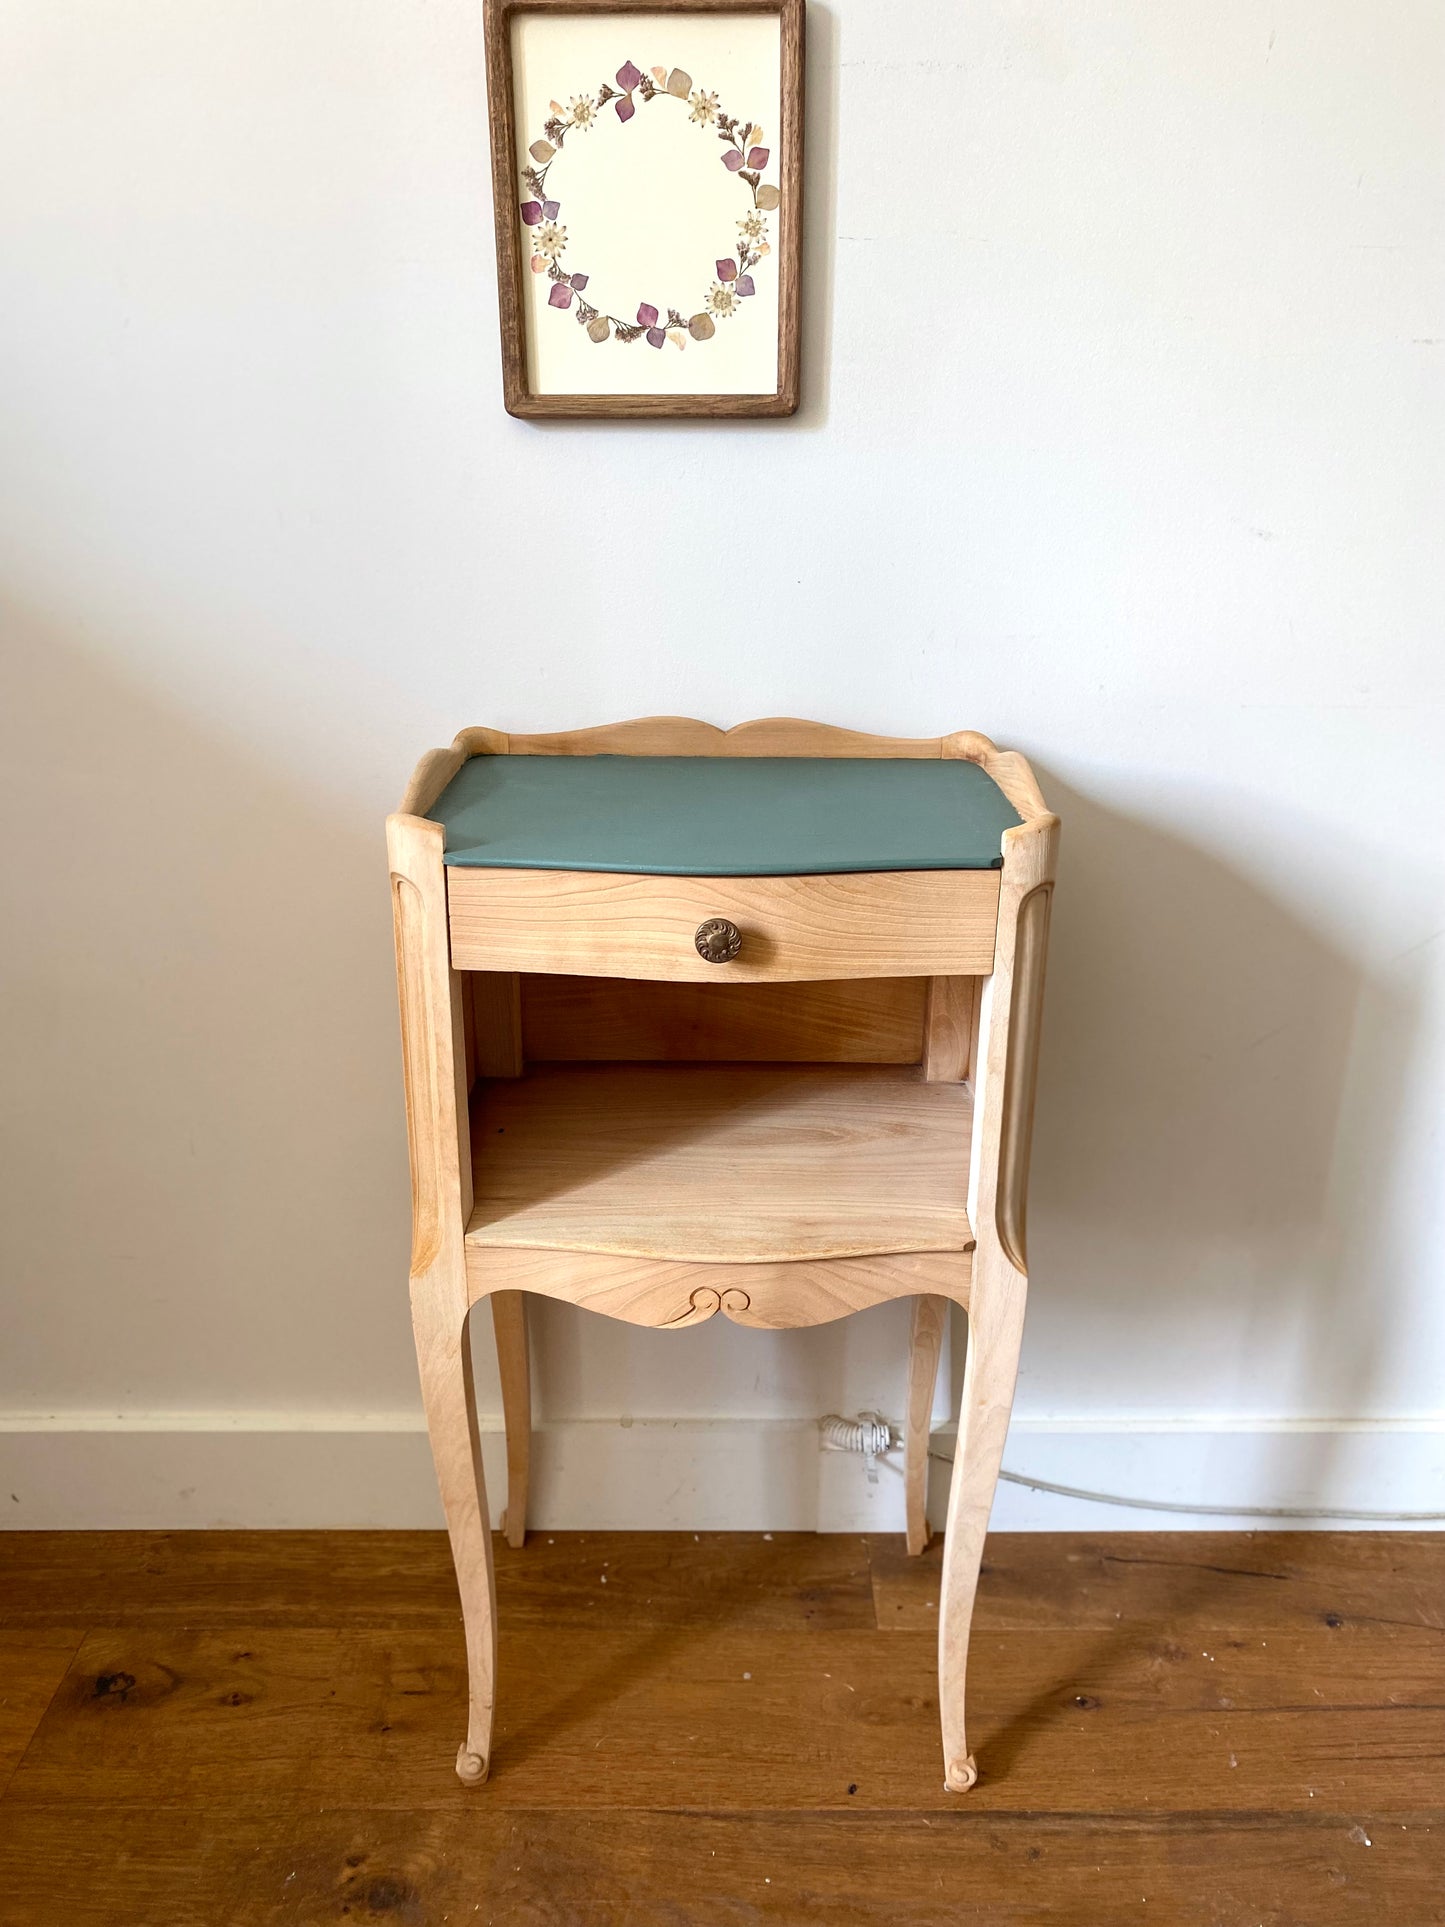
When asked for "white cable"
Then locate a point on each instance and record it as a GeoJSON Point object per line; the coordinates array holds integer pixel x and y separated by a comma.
{"type": "Point", "coordinates": [868, 1433]}
{"type": "Point", "coordinates": [1214, 1511]}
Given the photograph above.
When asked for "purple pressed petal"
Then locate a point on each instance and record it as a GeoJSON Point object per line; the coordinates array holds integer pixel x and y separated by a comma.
{"type": "Point", "coordinates": [531, 212]}
{"type": "Point", "coordinates": [551, 209]}
{"type": "Point", "coordinates": [744, 284]}
{"type": "Point", "coordinates": [732, 160]}
{"type": "Point", "coordinates": [727, 270]}
{"type": "Point", "coordinates": [629, 77]}
{"type": "Point", "coordinates": [626, 108]}
{"type": "Point", "coordinates": [758, 157]}
{"type": "Point", "coordinates": [579, 282]}
{"type": "Point", "coordinates": [656, 337]}
{"type": "Point", "coordinates": [647, 315]}
{"type": "Point", "coordinates": [561, 295]}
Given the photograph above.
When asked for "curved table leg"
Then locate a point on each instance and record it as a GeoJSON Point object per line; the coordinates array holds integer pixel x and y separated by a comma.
{"type": "Point", "coordinates": [925, 1342]}
{"type": "Point", "coordinates": [995, 1333]}
{"type": "Point", "coordinates": [444, 1356]}
{"type": "Point", "coordinates": [509, 1320]}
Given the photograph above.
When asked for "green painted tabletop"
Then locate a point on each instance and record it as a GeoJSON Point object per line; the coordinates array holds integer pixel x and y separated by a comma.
{"type": "Point", "coordinates": [722, 816]}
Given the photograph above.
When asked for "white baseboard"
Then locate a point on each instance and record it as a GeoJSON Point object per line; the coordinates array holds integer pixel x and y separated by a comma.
{"type": "Point", "coordinates": [208, 1469]}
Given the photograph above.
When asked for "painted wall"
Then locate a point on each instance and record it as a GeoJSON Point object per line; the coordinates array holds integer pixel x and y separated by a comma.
{"type": "Point", "coordinates": [1122, 441]}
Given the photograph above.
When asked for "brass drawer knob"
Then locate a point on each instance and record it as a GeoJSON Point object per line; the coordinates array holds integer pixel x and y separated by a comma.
{"type": "Point", "coordinates": [718, 941]}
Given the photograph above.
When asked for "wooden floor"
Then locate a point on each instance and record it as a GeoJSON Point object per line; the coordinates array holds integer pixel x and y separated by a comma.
{"type": "Point", "coordinates": [228, 1729]}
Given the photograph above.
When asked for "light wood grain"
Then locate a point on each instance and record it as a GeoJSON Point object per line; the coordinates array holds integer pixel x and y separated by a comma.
{"type": "Point", "coordinates": [794, 928]}
{"type": "Point", "coordinates": [1016, 1126]}
{"type": "Point", "coordinates": [514, 1368]}
{"type": "Point", "coordinates": [669, 1294]}
{"type": "Point", "coordinates": [1009, 1015]}
{"type": "Point", "coordinates": [1006, 766]}
{"type": "Point", "coordinates": [479, 740]}
{"type": "Point", "coordinates": [765, 736]}
{"type": "Point", "coordinates": [862, 1020]}
{"type": "Point", "coordinates": [787, 252]}
{"type": "Point", "coordinates": [668, 1194]}
{"type": "Point", "coordinates": [497, 1005]}
{"type": "Point", "coordinates": [721, 1165]}
{"type": "Point", "coordinates": [430, 777]}
{"type": "Point", "coordinates": [949, 1023]}
{"type": "Point", "coordinates": [433, 1041]}
{"type": "Point", "coordinates": [925, 1343]}
{"type": "Point", "coordinates": [435, 1069]}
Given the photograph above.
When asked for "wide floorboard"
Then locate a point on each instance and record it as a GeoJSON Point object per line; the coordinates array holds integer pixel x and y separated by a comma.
{"type": "Point", "coordinates": [230, 1729]}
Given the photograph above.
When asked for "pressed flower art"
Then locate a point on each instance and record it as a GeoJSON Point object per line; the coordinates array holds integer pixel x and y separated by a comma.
{"type": "Point", "coordinates": [635, 204]}
{"type": "Point", "coordinates": [745, 154]}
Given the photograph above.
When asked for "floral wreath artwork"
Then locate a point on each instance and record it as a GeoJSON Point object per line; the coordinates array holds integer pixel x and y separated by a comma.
{"type": "Point", "coordinates": [742, 155]}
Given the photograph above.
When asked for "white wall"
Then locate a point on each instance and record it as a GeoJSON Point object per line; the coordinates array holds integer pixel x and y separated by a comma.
{"type": "Point", "coordinates": [1121, 441]}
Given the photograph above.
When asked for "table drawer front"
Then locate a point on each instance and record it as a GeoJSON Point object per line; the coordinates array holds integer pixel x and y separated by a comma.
{"type": "Point", "coordinates": [899, 923]}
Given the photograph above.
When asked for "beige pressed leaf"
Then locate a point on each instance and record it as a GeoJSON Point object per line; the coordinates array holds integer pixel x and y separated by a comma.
{"type": "Point", "coordinates": [701, 327]}
{"type": "Point", "coordinates": [538, 263]}
{"type": "Point", "coordinates": [675, 338]}
{"type": "Point", "coordinates": [659, 74]}
{"type": "Point", "coordinates": [598, 330]}
{"type": "Point", "coordinates": [557, 107]}
{"type": "Point", "coordinates": [679, 83]}
{"type": "Point", "coordinates": [763, 248]}
{"type": "Point", "coordinates": [768, 198]}
{"type": "Point", "coordinates": [541, 151]}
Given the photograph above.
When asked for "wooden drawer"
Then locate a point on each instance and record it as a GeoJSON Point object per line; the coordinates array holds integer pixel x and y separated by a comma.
{"type": "Point", "coordinates": [897, 923]}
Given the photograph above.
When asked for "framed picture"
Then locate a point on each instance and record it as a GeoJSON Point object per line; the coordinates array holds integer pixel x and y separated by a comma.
{"type": "Point", "coordinates": [647, 172]}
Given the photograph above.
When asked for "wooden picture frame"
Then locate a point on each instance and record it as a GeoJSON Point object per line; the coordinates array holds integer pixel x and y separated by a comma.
{"type": "Point", "coordinates": [550, 374]}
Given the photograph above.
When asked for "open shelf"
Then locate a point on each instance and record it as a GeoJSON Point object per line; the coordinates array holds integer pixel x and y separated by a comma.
{"type": "Point", "coordinates": [721, 1163]}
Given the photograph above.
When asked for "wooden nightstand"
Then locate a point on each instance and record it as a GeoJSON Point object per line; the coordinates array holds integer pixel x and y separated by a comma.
{"type": "Point", "coordinates": [699, 1021]}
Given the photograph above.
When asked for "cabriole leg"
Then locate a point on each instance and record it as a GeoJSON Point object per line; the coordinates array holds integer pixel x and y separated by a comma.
{"type": "Point", "coordinates": [995, 1333]}
{"type": "Point", "coordinates": [444, 1356]}
{"type": "Point", "coordinates": [509, 1319]}
{"type": "Point", "coordinates": [925, 1341]}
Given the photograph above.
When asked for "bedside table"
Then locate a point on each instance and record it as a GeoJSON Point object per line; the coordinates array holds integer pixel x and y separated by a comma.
{"type": "Point", "coordinates": [699, 1021]}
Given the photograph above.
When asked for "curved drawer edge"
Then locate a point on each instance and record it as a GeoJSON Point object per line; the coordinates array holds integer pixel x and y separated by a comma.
{"type": "Point", "coordinates": [890, 923]}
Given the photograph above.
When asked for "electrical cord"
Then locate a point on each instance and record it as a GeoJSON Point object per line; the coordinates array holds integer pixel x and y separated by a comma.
{"type": "Point", "coordinates": [869, 1433]}
{"type": "Point", "coordinates": [1213, 1511]}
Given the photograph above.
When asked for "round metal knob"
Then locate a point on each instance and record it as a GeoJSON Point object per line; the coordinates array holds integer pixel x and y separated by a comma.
{"type": "Point", "coordinates": [718, 941]}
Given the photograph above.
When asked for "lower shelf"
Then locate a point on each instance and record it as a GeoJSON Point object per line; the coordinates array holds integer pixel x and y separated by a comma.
{"type": "Point", "coordinates": [721, 1165]}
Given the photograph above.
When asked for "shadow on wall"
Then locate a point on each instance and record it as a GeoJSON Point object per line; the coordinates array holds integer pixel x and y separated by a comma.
{"type": "Point", "coordinates": [211, 1167]}
{"type": "Point", "coordinates": [1218, 1112]}
{"type": "Point", "coordinates": [820, 217]}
